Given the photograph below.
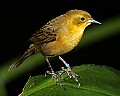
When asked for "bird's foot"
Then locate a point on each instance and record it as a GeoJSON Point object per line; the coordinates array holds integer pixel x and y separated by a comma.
{"type": "Point", "coordinates": [71, 74]}
{"type": "Point", "coordinates": [55, 76]}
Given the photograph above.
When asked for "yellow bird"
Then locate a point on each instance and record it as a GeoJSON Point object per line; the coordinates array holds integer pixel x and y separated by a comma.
{"type": "Point", "coordinates": [57, 37]}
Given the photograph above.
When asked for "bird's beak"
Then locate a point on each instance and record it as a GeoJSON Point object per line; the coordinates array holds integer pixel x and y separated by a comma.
{"type": "Point", "coordinates": [93, 21]}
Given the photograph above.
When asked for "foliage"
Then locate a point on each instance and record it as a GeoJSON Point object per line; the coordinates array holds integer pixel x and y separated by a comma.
{"type": "Point", "coordinates": [95, 81]}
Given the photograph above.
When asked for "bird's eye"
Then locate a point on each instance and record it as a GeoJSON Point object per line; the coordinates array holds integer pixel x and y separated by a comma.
{"type": "Point", "coordinates": [82, 18]}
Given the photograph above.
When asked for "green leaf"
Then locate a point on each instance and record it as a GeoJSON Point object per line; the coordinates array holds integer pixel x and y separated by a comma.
{"type": "Point", "coordinates": [95, 81]}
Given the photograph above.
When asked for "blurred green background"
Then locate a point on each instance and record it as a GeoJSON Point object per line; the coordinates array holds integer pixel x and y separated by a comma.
{"type": "Point", "coordinates": [100, 44]}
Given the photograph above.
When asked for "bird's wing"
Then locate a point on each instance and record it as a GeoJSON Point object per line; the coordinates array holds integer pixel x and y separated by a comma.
{"type": "Point", "coordinates": [48, 32]}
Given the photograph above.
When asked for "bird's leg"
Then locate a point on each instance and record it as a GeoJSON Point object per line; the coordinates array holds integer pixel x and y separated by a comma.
{"type": "Point", "coordinates": [69, 71]}
{"type": "Point", "coordinates": [51, 72]}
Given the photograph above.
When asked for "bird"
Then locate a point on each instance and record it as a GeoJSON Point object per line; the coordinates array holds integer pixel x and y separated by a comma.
{"type": "Point", "coordinates": [59, 36]}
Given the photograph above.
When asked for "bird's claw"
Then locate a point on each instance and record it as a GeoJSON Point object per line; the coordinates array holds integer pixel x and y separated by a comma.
{"type": "Point", "coordinates": [71, 74]}
{"type": "Point", "coordinates": [55, 76]}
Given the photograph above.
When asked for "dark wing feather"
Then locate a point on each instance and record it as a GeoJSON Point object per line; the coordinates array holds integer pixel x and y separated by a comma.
{"type": "Point", "coordinates": [48, 32]}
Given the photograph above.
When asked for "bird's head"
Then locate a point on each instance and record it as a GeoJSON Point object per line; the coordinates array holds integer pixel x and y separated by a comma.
{"type": "Point", "coordinates": [80, 18]}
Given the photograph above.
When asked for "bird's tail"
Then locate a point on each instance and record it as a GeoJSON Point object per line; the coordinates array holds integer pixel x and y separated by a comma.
{"type": "Point", "coordinates": [29, 52]}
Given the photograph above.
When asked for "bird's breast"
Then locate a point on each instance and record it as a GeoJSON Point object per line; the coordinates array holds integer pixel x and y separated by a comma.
{"type": "Point", "coordinates": [65, 41]}
{"type": "Point", "coordinates": [71, 39]}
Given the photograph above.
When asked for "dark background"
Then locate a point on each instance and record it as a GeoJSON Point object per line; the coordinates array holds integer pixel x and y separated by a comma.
{"type": "Point", "coordinates": [21, 18]}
